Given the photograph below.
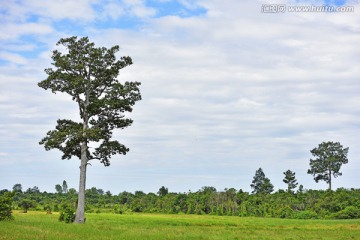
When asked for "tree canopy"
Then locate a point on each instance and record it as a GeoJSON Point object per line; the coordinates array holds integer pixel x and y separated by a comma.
{"type": "Point", "coordinates": [261, 184]}
{"type": "Point", "coordinates": [290, 180]}
{"type": "Point", "coordinates": [329, 157]}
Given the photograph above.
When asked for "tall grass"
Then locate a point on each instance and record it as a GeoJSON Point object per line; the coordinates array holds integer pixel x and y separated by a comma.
{"type": "Point", "coordinates": [37, 225]}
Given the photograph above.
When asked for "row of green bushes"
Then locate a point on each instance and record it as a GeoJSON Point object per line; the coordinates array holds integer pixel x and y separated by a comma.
{"type": "Point", "coordinates": [307, 204]}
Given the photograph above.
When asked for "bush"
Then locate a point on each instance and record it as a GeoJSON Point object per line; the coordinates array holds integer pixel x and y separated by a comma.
{"type": "Point", "coordinates": [67, 214]}
{"type": "Point", "coordinates": [349, 212]}
{"type": "Point", "coordinates": [285, 212]}
{"type": "Point", "coordinates": [25, 204]}
{"type": "Point", "coordinates": [307, 214]}
{"type": "Point", "coordinates": [5, 206]}
{"type": "Point", "coordinates": [121, 209]}
{"type": "Point", "coordinates": [47, 208]}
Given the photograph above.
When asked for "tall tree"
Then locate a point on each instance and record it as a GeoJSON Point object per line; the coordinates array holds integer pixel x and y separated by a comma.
{"type": "Point", "coordinates": [64, 187]}
{"type": "Point", "coordinates": [329, 157]}
{"type": "Point", "coordinates": [290, 180]}
{"type": "Point", "coordinates": [261, 184]}
{"type": "Point", "coordinates": [89, 75]}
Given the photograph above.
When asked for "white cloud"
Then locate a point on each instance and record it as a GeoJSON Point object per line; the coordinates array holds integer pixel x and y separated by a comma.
{"type": "Point", "coordinates": [13, 30]}
{"type": "Point", "coordinates": [12, 57]}
{"type": "Point", "coordinates": [63, 9]}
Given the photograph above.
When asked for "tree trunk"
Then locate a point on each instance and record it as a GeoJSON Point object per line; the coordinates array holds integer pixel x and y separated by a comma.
{"type": "Point", "coordinates": [330, 180]}
{"type": "Point", "coordinates": [80, 212]}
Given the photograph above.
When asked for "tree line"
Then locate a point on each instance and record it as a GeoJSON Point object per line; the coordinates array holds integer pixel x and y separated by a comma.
{"type": "Point", "coordinates": [261, 202]}
{"type": "Point", "coordinates": [301, 204]}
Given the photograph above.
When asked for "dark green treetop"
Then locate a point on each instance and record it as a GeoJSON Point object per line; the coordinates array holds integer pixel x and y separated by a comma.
{"type": "Point", "coordinates": [329, 156]}
{"type": "Point", "coordinates": [261, 184]}
{"type": "Point", "coordinates": [290, 180]}
{"type": "Point", "coordinates": [89, 76]}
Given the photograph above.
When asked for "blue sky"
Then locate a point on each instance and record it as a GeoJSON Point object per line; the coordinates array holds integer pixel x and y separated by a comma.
{"type": "Point", "coordinates": [226, 90]}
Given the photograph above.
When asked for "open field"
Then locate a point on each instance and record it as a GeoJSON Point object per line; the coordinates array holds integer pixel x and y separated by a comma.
{"type": "Point", "coordinates": [38, 225]}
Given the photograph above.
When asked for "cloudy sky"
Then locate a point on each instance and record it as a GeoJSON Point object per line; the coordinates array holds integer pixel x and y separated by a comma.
{"type": "Point", "coordinates": [226, 89]}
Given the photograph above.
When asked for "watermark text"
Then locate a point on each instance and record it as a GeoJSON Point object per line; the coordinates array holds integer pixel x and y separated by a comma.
{"type": "Point", "coordinates": [282, 8]}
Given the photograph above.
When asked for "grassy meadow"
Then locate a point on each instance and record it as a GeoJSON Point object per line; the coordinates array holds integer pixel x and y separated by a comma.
{"type": "Point", "coordinates": [38, 225]}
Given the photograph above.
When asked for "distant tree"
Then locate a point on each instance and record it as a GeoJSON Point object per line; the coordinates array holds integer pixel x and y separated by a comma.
{"type": "Point", "coordinates": [25, 204]}
{"type": "Point", "coordinates": [34, 189]}
{"type": "Point", "coordinates": [17, 187]}
{"type": "Point", "coordinates": [72, 191]}
{"type": "Point", "coordinates": [64, 187]}
{"type": "Point", "coordinates": [139, 194]}
{"type": "Point", "coordinates": [89, 76]}
{"type": "Point", "coordinates": [329, 156]}
{"type": "Point", "coordinates": [100, 191]}
{"type": "Point", "coordinates": [208, 189]}
{"type": "Point", "coordinates": [58, 188]}
{"type": "Point", "coordinates": [6, 200]}
{"type": "Point", "coordinates": [261, 184]}
{"type": "Point", "coordinates": [300, 189]}
{"type": "Point", "coordinates": [290, 180]}
{"type": "Point", "coordinates": [163, 191]}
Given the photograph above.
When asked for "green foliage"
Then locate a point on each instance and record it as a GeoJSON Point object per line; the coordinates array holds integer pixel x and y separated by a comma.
{"type": "Point", "coordinates": [6, 201]}
{"type": "Point", "coordinates": [285, 212]}
{"type": "Point", "coordinates": [307, 214]}
{"type": "Point", "coordinates": [350, 212]}
{"type": "Point", "coordinates": [64, 187]}
{"type": "Point", "coordinates": [329, 157]}
{"type": "Point", "coordinates": [290, 180]}
{"type": "Point", "coordinates": [89, 76]}
{"type": "Point", "coordinates": [121, 209]}
{"type": "Point", "coordinates": [26, 204]}
{"type": "Point", "coordinates": [163, 191]}
{"type": "Point", "coordinates": [261, 184]}
{"type": "Point", "coordinates": [308, 204]}
{"type": "Point", "coordinates": [47, 208]}
{"type": "Point", "coordinates": [17, 187]}
{"type": "Point", "coordinates": [58, 188]}
{"type": "Point", "coordinates": [67, 214]}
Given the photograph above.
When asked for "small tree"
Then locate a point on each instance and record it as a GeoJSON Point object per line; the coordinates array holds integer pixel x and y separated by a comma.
{"type": "Point", "coordinates": [329, 157]}
{"type": "Point", "coordinates": [163, 191]}
{"type": "Point", "coordinates": [58, 188]}
{"type": "Point", "coordinates": [64, 187]}
{"type": "Point", "coordinates": [290, 180]}
{"type": "Point", "coordinates": [89, 76]}
{"type": "Point", "coordinates": [26, 204]}
{"type": "Point", "coordinates": [17, 187]}
{"type": "Point", "coordinates": [5, 206]}
{"type": "Point", "coordinates": [261, 184]}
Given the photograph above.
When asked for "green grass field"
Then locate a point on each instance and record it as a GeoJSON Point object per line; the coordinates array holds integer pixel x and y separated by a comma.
{"type": "Point", "coordinates": [38, 225]}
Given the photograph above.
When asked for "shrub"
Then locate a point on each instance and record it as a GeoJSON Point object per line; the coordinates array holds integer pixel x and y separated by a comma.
{"type": "Point", "coordinates": [285, 212]}
{"type": "Point", "coordinates": [121, 209]}
{"type": "Point", "coordinates": [307, 214]}
{"type": "Point", "coordinates": [47, 208]}
{"type": "Point", "coordinates": [5, 206]}
{"type": "Point", "coordinates": [67, 214]}
{"type": "Point", "coordinates": [349, 212]}
{"type": "Point", "coordinates": [25, 204]}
